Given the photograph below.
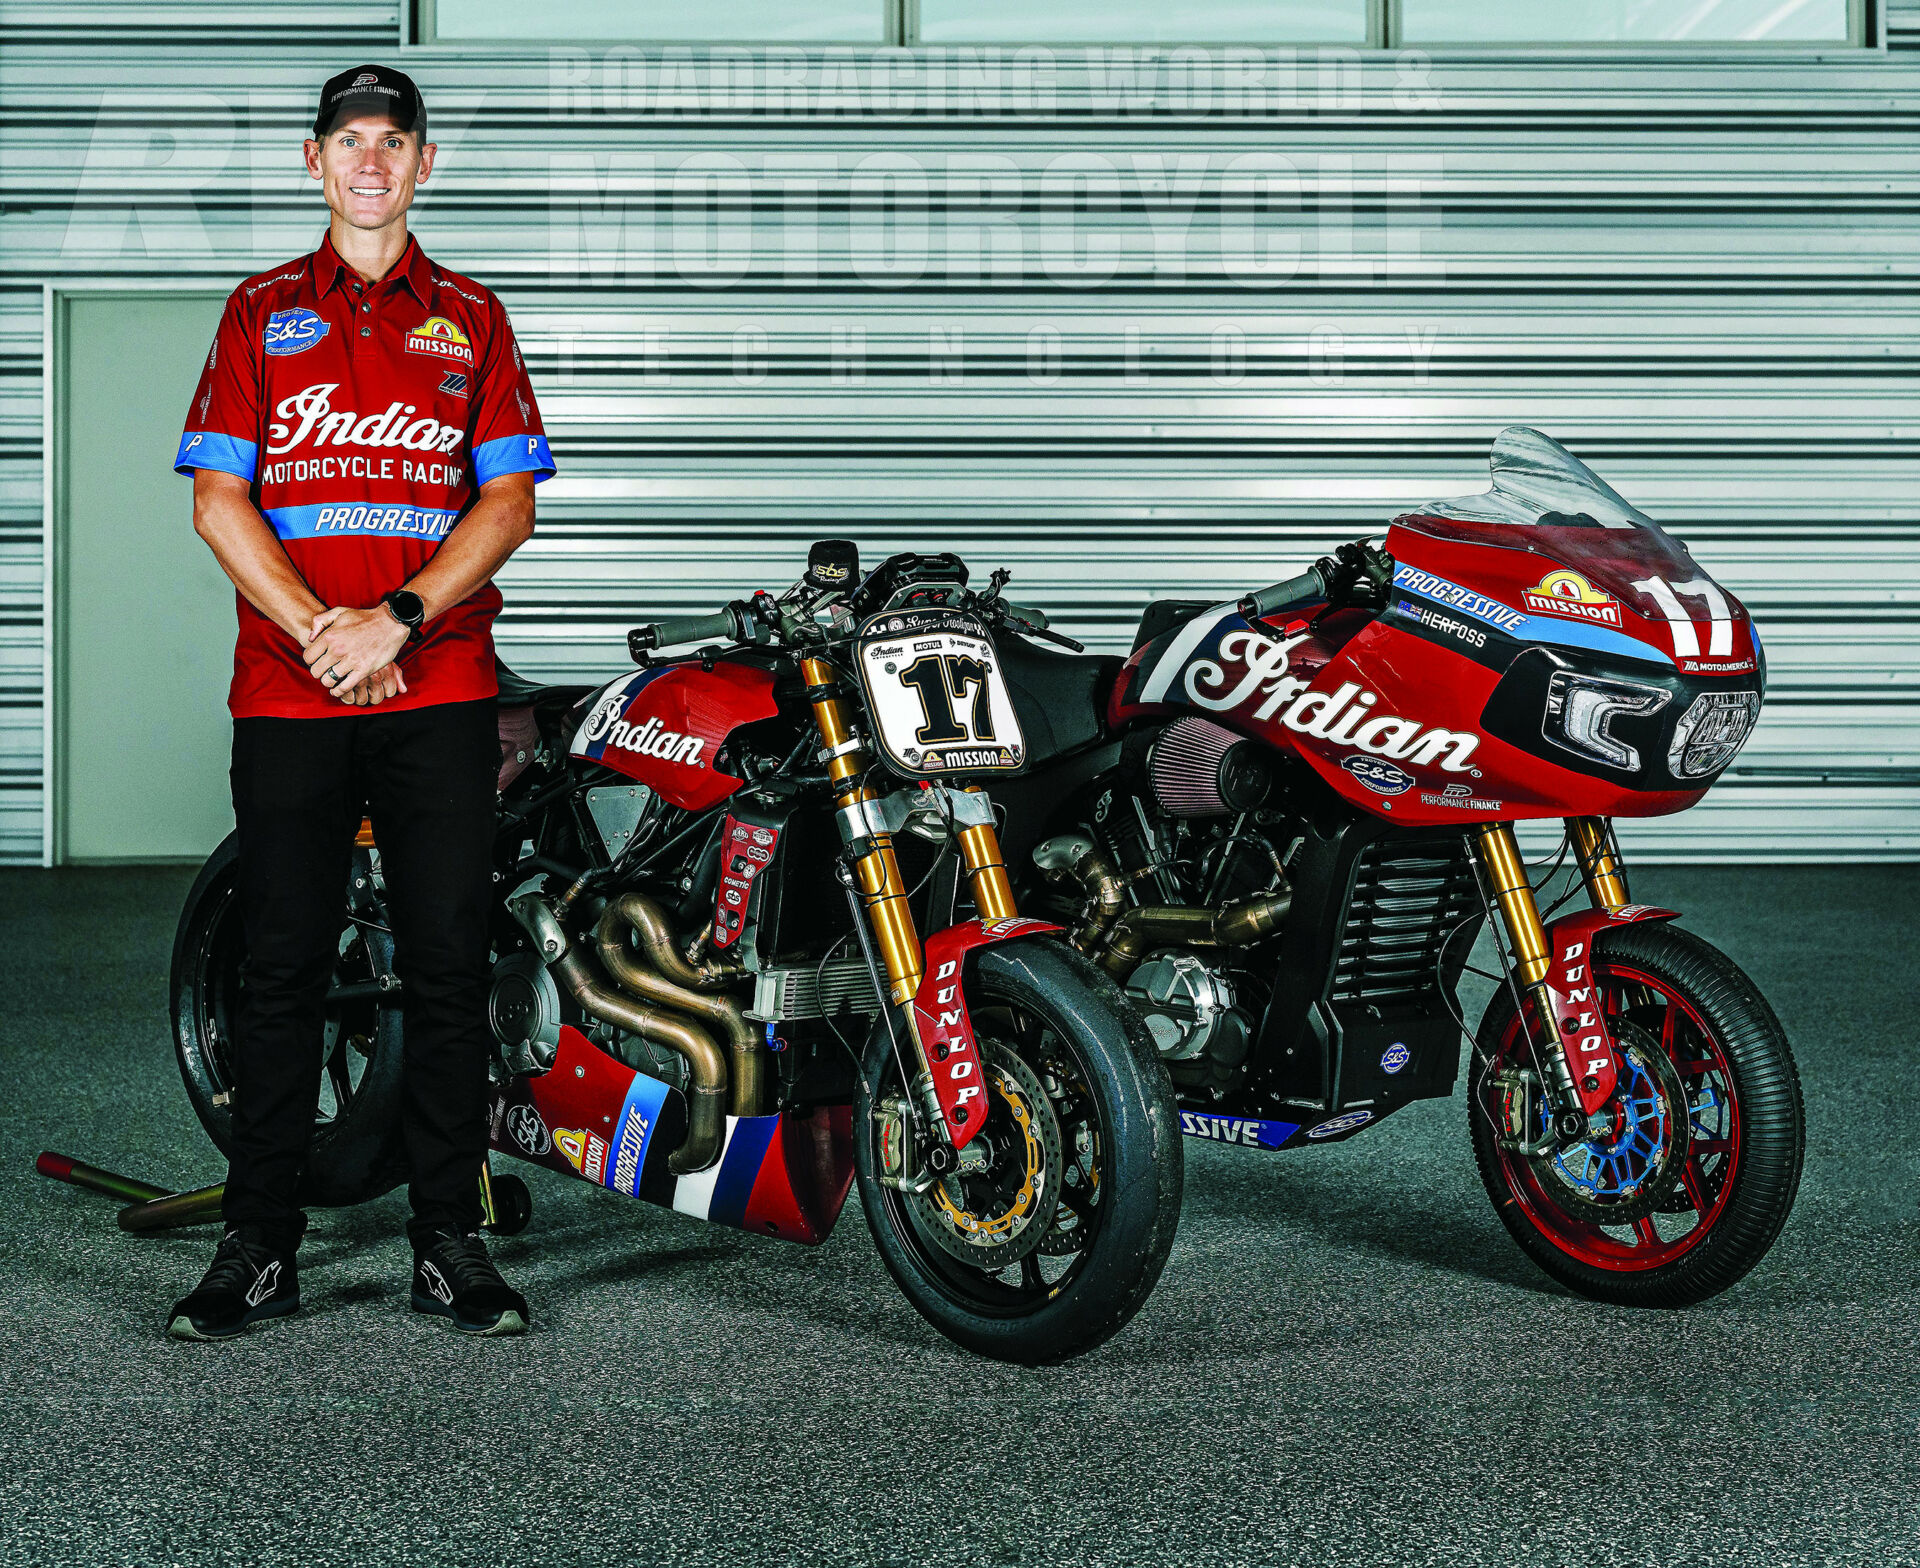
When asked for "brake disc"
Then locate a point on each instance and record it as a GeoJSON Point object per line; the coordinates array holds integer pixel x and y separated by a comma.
{"type": "Point", "coordinates": [1633, 1159]}
{"type": "Point", "coordinates": [999, 1211]}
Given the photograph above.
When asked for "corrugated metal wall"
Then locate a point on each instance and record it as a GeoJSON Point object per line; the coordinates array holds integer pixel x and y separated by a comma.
{"type": "Point", "coordinates": [1109, 319]}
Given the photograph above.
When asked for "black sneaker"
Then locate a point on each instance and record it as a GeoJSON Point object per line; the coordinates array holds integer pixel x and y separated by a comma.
{"type": "Point", "coordinates": [454, 1278]}
{"type": "Point", "coordinates": [250, 1279]}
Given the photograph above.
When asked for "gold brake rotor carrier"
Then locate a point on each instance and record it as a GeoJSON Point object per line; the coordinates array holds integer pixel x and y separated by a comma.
{"type": "Point", "coordinates": [992, 1218]}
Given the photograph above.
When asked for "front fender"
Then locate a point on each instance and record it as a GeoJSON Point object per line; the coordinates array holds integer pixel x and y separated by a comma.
{"type": "Point", "coordinates": [1586, 1041]}
{"type": "Point", "coordinates": [940, 1020]}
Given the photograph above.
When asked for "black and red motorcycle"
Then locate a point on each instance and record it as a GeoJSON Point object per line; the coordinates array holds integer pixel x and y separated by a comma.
{"type": "Point", "coordinates": [709, 986]}
{"type": "Point", "coordinates": [1282, 821]}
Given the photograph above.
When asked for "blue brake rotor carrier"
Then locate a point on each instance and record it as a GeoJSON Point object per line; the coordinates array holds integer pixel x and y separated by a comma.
{"type": "Point", "coordinates": [1632, 1163]}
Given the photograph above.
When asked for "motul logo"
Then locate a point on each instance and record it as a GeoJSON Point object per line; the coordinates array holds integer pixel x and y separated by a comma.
{"type": "Point", "coordinates": [309, 413]}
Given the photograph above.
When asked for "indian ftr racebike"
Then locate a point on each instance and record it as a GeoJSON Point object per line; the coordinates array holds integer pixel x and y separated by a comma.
{"type": "Point", "coordinates": [709, 987]}
{"type": "Point", "coordinates": [1282, 820]}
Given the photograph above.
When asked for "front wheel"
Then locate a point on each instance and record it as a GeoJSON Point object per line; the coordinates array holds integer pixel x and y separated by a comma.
{"type": "Point", "coordinates": [1053, 1230]}
{"type": "Point", "coordinates": [1689, 1174]}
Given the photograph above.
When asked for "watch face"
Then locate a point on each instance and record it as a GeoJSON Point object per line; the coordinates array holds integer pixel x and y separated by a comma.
{"type": "Point", "coordinates": [407, 606]}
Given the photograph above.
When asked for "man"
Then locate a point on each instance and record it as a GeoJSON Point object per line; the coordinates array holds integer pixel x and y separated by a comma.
{"type": "Point", "coordinates": [363, 444]}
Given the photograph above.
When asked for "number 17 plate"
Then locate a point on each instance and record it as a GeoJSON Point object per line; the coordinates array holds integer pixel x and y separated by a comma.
{"type": "Point", "coordinates": [938, 701]}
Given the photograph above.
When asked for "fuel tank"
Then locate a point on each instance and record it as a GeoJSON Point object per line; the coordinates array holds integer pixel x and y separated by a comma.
{"type": "Point", "coordinates": [665, 726]}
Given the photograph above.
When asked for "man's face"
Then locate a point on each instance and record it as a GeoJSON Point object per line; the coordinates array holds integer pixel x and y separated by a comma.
{"type": "Point", "coordinates": [369, 169]}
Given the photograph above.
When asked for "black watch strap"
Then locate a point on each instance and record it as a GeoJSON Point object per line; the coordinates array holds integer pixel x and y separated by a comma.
{"type": "Point", "coordinates": [407, 608]}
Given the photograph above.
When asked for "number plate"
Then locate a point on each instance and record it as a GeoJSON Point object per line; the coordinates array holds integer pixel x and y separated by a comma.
{"type": "Point", "coordinates": [938, 701]}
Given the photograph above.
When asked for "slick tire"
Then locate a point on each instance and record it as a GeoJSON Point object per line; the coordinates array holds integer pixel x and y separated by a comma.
{"type": "Point", "coordinates": [356, 1154]}
{"type": "Point", "coordinates": [1140, 1187]}
{"type": "Point", "coordinates": [1748, 1206]}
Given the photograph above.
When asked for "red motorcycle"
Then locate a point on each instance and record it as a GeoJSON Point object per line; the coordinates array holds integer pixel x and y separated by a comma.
{"type": "Point", "coordinates": [709, 986]}
{"type": "Point", "coordinates": [1281, 822]}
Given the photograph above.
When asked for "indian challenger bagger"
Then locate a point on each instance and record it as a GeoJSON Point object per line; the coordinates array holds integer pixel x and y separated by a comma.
{"type": "Point", "coordinates": [709, 986]}
{"type": "Point", "coordinates": [1282, 821]}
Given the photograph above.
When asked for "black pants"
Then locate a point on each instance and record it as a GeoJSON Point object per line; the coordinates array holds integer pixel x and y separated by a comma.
{"type": "Point", "coordinates": [426, 779]}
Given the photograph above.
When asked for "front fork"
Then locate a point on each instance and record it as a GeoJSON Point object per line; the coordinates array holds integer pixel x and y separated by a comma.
{"type": "Point", "coordinates": [1504, 871]}
{"type": "Point", "coordinates": [883, 892]}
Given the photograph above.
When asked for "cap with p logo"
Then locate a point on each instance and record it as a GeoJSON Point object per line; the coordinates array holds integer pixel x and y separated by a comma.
{"type": "Point", "coordinates": [370, 89]}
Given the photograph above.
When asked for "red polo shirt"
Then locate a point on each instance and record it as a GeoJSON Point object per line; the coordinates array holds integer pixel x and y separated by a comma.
{"type": "Point", "coordinates": [366, 418]}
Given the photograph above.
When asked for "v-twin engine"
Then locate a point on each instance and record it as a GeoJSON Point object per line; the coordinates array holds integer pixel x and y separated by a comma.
{"type": "Point", "coordinates": [1170, 957]}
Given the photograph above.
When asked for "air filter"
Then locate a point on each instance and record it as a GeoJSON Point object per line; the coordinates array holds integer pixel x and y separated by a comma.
{"type": "Point", "coordinates": [1200, 769]}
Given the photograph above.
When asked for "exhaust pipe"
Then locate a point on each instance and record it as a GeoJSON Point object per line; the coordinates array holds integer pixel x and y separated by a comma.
{"type": "Point", "coordinates": [661, 974]}
{"type": "Point", "coordinates": [1141, 930]}
{"type": "Point", "coordinates": [706, 1066]}
{"type": "Point", "coordinates": [1128, 935]}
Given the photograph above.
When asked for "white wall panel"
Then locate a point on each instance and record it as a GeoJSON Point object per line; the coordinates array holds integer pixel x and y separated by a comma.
{"type": "Point", "coordinates": [1012, 306]}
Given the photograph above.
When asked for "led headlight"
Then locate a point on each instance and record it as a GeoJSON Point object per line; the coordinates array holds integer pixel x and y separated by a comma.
{"type": "Point", "coordinates": [1582, 708]}
{"type": "Point", "coordinates": [1711, 732]}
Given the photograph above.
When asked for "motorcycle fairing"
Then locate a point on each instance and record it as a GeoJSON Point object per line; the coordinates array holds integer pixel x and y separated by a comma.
{"type": "Point", "coordinates": [1400, 718]}
{"type": "Point", "coordinates": [665, 725]}
{"type": "Point", "coordinates": [593, 1117]}
{"type": "Point", "coordinates": [944, 1025]}
{"type": "Point", "coordinates": [1579, 1020]}
{"type": "Point", "coordinates": [1576, 551]}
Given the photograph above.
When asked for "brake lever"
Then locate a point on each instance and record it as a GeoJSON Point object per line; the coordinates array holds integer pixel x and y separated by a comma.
{"type": "Point", "coordinates": [1048, 633]}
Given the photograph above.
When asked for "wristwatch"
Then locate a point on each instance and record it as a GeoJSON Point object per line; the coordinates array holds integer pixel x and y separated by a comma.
{"type": "Point", "coordinates": [406, 607]}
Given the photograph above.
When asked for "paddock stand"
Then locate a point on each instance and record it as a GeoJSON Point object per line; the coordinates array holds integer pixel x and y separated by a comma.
{"type": "Point", "coordinates": [505, 1203]}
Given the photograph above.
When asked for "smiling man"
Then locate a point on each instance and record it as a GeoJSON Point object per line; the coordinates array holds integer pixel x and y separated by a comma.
{"type": "Point", "coordinates": [364, 444]}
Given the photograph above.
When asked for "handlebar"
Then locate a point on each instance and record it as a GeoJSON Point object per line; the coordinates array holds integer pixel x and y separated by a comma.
{"type": "Point", "coordinates": [1354, 571]}
{"type": "Point", "coordinates": [1037, 619]}
{"type": "Point", "coordinates": [1310, 584]}
{"type": "Point", "coordinates": [728, 625]}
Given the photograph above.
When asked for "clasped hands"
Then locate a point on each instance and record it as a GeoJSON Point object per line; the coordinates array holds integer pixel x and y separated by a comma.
{"type": "Point", "coordinates": [351, 653]}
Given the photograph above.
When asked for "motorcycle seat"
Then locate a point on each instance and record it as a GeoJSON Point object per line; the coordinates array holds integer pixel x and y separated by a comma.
{"type": "Point", "coordinates": [1059, 698]}
{"type": "Point", "coordinates": [1163, 615]}
{"type": "Point", "coordinates": [516, 691]}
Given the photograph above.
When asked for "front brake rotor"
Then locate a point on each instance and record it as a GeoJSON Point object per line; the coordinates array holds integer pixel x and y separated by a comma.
{"type": "Point", "coordinates": [997, 1212]}
{"type": "Point", "coordinates": [1632, 1161]}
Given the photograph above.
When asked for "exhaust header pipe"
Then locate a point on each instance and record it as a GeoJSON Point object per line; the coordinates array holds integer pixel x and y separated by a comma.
{"type": "Point", "coordinates": [706, 1065]}
{"type": "Point", "coordinates": [1119, 937]}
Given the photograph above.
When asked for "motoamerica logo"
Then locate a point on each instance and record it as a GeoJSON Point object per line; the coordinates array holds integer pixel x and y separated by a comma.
{"type": "Point", "coordinates": [310, 413]}
{"type": "Point", "coordinates": [646, 740]}
{"type": "Point", "coordinates": [1345, 717]}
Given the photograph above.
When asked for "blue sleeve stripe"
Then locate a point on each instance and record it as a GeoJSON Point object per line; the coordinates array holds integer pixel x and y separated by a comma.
{"type": "Point", "coordinates": [208, 449]}
{"type": "Point", "coordinates": [512, 455]}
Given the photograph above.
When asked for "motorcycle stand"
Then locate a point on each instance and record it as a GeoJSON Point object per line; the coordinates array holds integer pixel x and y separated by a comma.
{"type": "Point", "coordinates": [505, 1203]}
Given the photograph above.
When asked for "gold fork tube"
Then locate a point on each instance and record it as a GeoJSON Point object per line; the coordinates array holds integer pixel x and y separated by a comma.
{"type": "Point", "coordinates": [877, 874]}
{"type": "Point", "coordinates": [1511, 890]}
{"type": "Point", "coordinates": [1600, 868]}
{"type": "Point", "coordinates": [992, 890]}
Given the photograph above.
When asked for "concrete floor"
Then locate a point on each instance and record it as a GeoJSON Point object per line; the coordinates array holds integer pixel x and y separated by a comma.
{"type": "Point", "coordinates": [1346, 1361]}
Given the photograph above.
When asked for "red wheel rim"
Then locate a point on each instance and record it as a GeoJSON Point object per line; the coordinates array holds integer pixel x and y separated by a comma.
{"type": "Point", "coordinates": [1713, 1157]}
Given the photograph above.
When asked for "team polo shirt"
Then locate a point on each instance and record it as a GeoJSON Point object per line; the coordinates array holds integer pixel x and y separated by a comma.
{"type": "Point", "coordinates": [366, 418]}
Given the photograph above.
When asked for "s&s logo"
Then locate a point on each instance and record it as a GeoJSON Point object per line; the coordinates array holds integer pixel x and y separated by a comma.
{"type": "Point", "coordinates": [291, 332]}
{"type": "Point", "coordinates": [1379, 775]}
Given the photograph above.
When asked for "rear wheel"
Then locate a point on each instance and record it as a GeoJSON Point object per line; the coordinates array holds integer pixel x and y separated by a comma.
{"type": "Point", "coordinates": [1694, 1165]}
{"type": "Point", "coordinates": [356, 1152]}
{"type": "Point", "coordinates": [1054, 1229]}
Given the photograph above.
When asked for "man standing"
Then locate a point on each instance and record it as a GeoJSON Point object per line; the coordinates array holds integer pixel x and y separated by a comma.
{"type": "Point", "coordinates": [363, 444]}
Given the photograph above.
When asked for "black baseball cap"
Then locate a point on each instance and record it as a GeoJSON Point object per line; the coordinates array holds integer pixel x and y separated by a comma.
{"type": "Point", "coordinates": [371, 89]}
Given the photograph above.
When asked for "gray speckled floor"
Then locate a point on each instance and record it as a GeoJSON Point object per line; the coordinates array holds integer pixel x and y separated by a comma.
{"type": "Point", "coordinates": [1347, 1360]}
